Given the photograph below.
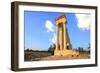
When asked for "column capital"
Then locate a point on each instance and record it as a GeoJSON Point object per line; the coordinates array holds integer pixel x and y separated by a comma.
{"type": "Point", "coordinates": [65, 22]}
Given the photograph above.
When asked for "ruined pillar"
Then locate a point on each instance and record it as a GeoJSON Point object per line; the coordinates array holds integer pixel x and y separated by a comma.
{"type": "Point", "coordinates": [61, 38]}
{"type": "Point", "coordinates": [65, 37]}
{"type": "Point", "coordinates": [57, 41]}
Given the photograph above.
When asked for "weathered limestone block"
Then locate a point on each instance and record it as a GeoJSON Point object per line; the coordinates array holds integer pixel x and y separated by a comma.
{"type": "Point", "coordinates": [66, 53]}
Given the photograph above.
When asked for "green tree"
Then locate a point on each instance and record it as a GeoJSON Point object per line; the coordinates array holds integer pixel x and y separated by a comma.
{"type": "Point", "coordinates": [51, 49]}
{"type": "Point", "coordinates": [80, 49]}
{"type": "Point", "coordinates": [89, 47]}
{"type": "Point", "coordinates": [54, 46]}
{"type": "Point", "coordinates": [27, 49]}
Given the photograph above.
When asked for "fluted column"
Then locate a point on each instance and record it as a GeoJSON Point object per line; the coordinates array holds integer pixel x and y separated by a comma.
{"type": "Point", "coordinates": [57, 37]}
{"type": "Point", "coordinates": [65, 36]}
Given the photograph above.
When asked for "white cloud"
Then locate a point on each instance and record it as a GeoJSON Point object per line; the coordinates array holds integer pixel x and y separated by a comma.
{"type": "Point", "coordinates": [49, 26]}
{"type": "Point", "coordinates": [83, 21]}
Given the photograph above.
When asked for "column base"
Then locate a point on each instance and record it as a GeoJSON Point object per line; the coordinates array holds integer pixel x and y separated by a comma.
{"type": "Point", "coordinates": [66, 53]}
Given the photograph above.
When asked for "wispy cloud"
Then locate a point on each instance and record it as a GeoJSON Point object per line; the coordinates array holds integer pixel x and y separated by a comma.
{"type": "Point", "coordinates": [83, 21]}
{"type": "Point", "coordinates": [49, 26]}
{"type": "Point", "coordinates": [51, 29]}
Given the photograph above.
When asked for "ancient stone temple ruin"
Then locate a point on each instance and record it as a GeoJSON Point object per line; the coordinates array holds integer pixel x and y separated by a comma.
{"type": "Point", "coordinates": [63, 44]}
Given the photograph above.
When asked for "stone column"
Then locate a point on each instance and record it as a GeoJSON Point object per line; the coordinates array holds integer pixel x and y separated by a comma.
{"type": "Point", "coordinates": [61, 38]}
{"type": "Point", "coordinates": [57, 37]}
{"type": "Point", "coordinates": [65, 36]}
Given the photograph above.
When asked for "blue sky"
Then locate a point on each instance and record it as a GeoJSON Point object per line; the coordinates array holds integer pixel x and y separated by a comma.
{"type": "Point", "coordinates": [40, 29]}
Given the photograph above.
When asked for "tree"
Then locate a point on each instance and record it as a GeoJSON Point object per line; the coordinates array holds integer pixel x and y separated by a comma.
{"type": "Point", "coordinates": [27, 50]}
{"type": "Point", "coordinates": [80, 49]}
{"type": "Point", "coordinates": [52, 48]}
{"type": "Point", "coordinates": [89, 47]}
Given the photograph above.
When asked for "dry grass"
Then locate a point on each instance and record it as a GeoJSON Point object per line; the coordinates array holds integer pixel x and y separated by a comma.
{"type": "Point", "coordinates": [43, 56]}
